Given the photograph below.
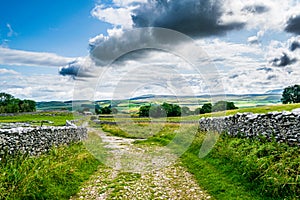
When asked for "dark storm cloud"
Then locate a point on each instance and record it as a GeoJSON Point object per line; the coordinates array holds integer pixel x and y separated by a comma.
{"type": "Point", "coordinates": [194, 18]}
{"type": "Point", "coordinates": [295, 45]}
{"type": "Point", "coordinates": [283, 61]}
{"type": "Point", "coordinates": [293, 25]}
{"type": "Point", "coordinates": [255, 9]}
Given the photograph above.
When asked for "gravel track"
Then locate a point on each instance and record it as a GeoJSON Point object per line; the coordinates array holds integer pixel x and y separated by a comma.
{"type": "Point", "coordinates": [169, 181]}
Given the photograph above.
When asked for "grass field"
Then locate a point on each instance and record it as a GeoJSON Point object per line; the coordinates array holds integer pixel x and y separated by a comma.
{"type": "Point", "coordinates": [234, 169]}
{"type": "Point", "coordinates": [58, 118]}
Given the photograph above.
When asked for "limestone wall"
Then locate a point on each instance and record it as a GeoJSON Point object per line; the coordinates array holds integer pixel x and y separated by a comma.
{"type": "Point", "coordinates": [281, 126]}
{"type": "Point", "coordinates": [38, 140]}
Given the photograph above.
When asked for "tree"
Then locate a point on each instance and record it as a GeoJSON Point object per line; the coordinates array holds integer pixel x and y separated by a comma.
{"type": "Point", "coordinates": [223, 105]}
{"type": "Point", "coordinates": [10, 104]}
{"type": "Point", "coordinates": [5, 99]}
{"type": "Point", "coordinates": [103, 110]}
{"type": "Point", "coordinates": [144, 111]}
{"type": "Point", "coordinates": [206, 108]}
{"type": "Point", "coordinates": [172, 110]}
{"type": "Point", "coordinates": [155, 110]}
{"type": "Point", "coordinates": [291, 94]}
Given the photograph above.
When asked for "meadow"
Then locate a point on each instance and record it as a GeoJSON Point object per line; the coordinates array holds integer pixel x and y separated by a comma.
{"type": "Point", "coordinates": [56, 118]}
{"type": "Point", "coordinates": [235, 168]}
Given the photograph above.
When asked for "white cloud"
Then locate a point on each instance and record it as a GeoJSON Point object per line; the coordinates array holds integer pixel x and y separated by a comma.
{"type": "Point", "coordinates": [125, 3]}
{"type": "Point", "coordinates": [116, 16]}
{"type": "Point", "coordinates": [8, 72]}
{"type": "Point", "coordinates": [38, 87]}
{"type": "Point", "coordinates": [256, 39]}
{"type": "Point", "coordinates": [273, 17]}
{"type": "Point", "coordinates": [28, 58]}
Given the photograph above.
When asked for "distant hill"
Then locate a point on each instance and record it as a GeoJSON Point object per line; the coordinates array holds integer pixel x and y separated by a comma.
{"type": "Point", "coordinates": [54, 105]}
{"type": "Point", "coordinates": [245, 100]}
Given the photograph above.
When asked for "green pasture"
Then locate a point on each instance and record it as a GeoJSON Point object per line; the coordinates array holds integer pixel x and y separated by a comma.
{"type": "Point", "coordinates": [58, 118]}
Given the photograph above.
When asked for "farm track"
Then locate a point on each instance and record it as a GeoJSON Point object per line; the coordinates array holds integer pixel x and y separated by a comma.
{"type": "Point", "coordinates": [136, 172]}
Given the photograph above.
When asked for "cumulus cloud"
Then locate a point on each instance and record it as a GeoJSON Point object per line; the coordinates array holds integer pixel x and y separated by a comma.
{"type": "Point", "coordinates": [236, 62]}
{"type": "Point", "coordinates": [108, 49]}
{"type": "Point", "coordinates": [256, 39]}
{"type": "Point", "coordinates": [194, 18]}
{"type": "Point", "coordinates": [28, 58]}
{"type": "Point", "coordinates": [293, 25]}
{"type": "Point", "coordinates": [116, 16]}
{"type": "Point", "coordinates": [262, 14]}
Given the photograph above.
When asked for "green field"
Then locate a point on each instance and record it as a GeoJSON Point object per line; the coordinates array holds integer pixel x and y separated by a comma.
{"type": "Point", "coordinates": [58, 118]}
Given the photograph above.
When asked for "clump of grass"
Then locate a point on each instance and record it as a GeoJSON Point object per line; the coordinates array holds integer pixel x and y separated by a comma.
{"type": "Point", "coordinates": [56, 175]}
{"type": "Point", "coordinates": [242, 168]}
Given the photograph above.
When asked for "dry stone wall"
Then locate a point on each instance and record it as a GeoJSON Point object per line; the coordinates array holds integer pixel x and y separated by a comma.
{"type": "Point", "coordinates": [38, 140]}
{"type": "Point", "coordinates": [281, 126]}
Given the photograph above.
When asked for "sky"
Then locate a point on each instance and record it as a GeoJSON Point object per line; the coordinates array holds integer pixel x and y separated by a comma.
{"type": "Point", "coordinates": [106, 49]}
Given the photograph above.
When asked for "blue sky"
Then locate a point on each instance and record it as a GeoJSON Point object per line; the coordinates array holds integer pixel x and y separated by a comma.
{"type": "Point", "coordinates": [59, 26]}
{"type": "Point", "coordinates": [45, 47]}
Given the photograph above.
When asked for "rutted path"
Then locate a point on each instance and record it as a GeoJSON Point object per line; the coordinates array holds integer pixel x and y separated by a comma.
{"type": "Point", "coordinates": [124, 179]}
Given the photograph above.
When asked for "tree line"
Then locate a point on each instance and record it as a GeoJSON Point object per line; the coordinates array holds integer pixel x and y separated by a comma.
{"type": "Point", "coordinates": [10, 104]}
{"type": "Point", "coordinates": [173, 110]}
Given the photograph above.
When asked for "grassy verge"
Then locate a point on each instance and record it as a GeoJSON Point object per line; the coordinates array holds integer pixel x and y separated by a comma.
{"type": "Point", "coordinates": [58, 118]}
{"type": "Point", "coordinates": [56, 175]}
{"type": "Point", "coordinates": [246, 169]}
